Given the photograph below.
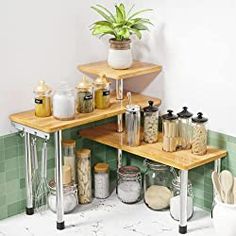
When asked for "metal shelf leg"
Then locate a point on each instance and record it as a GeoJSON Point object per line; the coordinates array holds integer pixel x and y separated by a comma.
{"type": "Point", "coordinates": [59, 182]}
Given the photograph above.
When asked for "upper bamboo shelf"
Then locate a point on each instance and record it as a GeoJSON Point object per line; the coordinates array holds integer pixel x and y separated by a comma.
{"type": "Point", "coordinates": [138, 68]}
{"type": "Point", "coordinates": [50, 124]}
{"type": "Point", "coordinates": [183, 160]}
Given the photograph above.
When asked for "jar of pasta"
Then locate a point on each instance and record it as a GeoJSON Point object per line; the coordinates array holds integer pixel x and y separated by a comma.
{"type": "Point", "coordinates": [42, 100]}
{"type": "Point", "coordinates": [85, 95]}
{"type": "Point", "coordinates": [199, 142]}
{"type": "Point", "coordinates": [102, 92]}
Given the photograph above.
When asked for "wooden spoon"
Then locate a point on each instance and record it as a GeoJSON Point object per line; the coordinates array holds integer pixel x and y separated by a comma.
{"type": "Point", "coordinates": [216, 184]}
{"type": "Point", "coordinates": [227, 181]}
{"type": "Point", "coordinates": [234, 190]}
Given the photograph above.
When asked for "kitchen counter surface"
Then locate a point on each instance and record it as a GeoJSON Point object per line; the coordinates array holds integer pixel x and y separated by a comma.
{"type": "Point", "coordinates": [108, 217]}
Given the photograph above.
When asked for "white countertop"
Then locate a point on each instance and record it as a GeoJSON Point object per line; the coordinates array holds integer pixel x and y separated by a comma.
{"type": "Point", "coordinates": [108, 217]}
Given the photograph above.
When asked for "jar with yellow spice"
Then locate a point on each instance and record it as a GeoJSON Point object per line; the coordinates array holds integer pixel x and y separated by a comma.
{"type": "Point", "coordinates": [42, 100]}
{"type": "Point", "coordinates": [102, 92]}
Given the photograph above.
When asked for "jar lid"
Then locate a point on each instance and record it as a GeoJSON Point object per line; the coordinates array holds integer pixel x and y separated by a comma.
{"type": "Point", "coordinates": [133, 108]}
{"type": "Point", "coordinates": [101, 167]}
{"type": "Point", "coordinates": [176, 183]}
{"type": "Point", "coordinates": [129, 171]}
{"type": "Point", "coordinates": [199, 118]}
{"type": "Point", "coordinates": [169, 116]}
{"type": "Point", "coordinates": [66, 188]}
{"type": "Point", "coordinates": [102, 80]}
{"type": "Point", "coordinates": [69, 143]}
{"type": "Point", "coordinates": [83, 153]}
{"type": "Point", "coordinates": [84, 83]}
{"type": "Point", "coordinates": [151, 107]}
{"type": "Point", "coordinates": [42, 87]}
{"type": "Point", "coordinates": [155, 165]}
{"type": "Point", "coordinates": [185, 113]}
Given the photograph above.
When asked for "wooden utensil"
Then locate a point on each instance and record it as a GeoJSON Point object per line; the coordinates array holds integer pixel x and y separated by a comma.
{"type": "Point", "coordinates": [234, 190]}
{"type": "Point", "coordinates": [227, 181]}
{"type": "Point", "coordinates": [217, 185]}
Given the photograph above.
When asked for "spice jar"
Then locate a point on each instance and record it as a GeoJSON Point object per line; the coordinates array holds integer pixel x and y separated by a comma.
{"type": "Point", "coordinates": [70, 197]}
{"type": "Point", "coordinates": [84, 175]}
{"type": "Point", "coordinates": [151, 123]}
{"type": "Point", "coordinates": [157, 185]}
{"type": "Point", "coordinates": [185, 128]}
{"type": "Point", "coordinates": [42, 100]}
{"type": "Point", "coordinates": [102, 92]}
{"type": "Point", "coordinates": [69, 156]}
{"type": "Point", "coordinates": [199, 143]}
{"type": "Point", "coordinates": [175, 199]}
{"type": "Point", "coordinates": [101, 180]}
{"type": "Point", "coordinates": [129, 184]}
{"type": "Point", "coordinates": [64, 102]}
{"type": "Point", "coordinates": [170, 131]}
{"type": "Point", "coordinates": [85, 95]}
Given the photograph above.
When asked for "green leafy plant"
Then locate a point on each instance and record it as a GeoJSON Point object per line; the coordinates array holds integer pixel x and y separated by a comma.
{"type": "Point", "coordinates": [121, 24]}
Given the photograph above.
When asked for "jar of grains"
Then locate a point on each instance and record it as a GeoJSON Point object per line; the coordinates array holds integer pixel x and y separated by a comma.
{"type": "Point", "coordinates": [129, 186]}
{"type": "Point", "coordinates": [85, 96]}
{"type": "Point", "coordinates": [84, 175]}
{"type": "Point", "coordinates": [101, 180]}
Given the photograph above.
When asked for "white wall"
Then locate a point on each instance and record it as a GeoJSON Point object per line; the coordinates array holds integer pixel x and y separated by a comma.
{"type": "Point", "coordinates": [194, 40]}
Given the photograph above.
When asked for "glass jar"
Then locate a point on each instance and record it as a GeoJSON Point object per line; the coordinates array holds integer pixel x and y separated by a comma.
{"type": "Point", "coordinates": [101, 180]}
{"type": "Point", "coordinates": [199, 140]}
{"type": "Point", "coordinates": [85, 96]}
{"type": "Point", "coordinates": [175, 199]}
{"type": "Point", "coordinates": [64, 102]}
{"type": "Point", "coordinates": [129, 184]}
{"type": "Point", "coordinates": [157, 185]}
{"type": "Point", "coordinates": [84, 175]}
{"type": "Point", "coordinates": [170, 132]}
{"type": "Point", "coordinates": [70, 197]}
{"type": "Point", "coordinates": [151, 123]}
{"type": "Point", "coordinates": [42, 100]}
{"type": "Point", "coordinates": [102, 92]}
{"type": "Point", "coordinates": [69, 156]}
{"type": "Point", "coordinates": [185, 129]}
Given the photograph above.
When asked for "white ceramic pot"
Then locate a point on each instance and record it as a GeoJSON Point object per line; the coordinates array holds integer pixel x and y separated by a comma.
{"type": "Point", "coordinates": [120, 55]}
{"type": "Point", "coordinates": [224, 219]}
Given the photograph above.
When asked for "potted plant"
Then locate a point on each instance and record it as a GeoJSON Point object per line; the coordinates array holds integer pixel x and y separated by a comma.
{"type": "Point", "coordinates": [121, 25]}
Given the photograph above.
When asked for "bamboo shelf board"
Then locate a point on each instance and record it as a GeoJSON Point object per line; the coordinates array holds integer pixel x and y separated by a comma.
{"type": "Point", "coordinates": [183, 160]}
{"type": "Point", "coordinates": [50, 124]}
{"type": "Point", "coordinates": [138, 68]}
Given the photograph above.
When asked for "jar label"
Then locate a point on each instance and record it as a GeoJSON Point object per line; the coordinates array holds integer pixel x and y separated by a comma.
{"type": "Point", "coordinates": [38, 101]}
{"type": "Point", "coordinates": [106, 92]}
{"type": "Point", "coordinates": [88, 97]}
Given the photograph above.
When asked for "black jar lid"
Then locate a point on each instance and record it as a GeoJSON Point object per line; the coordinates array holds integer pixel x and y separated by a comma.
{"type": "Point", "coordinates": [199, 118]}
{"type": "Point", "coordinates": [169, 116]}
{"type": "Point", "coordinates": [185, 113]}
{"type": "Point", "coordinates": [151, 107]}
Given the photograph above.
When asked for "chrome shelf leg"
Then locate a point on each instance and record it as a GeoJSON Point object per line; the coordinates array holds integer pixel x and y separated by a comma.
{"type": "Point", "coordinates": [59, 182]}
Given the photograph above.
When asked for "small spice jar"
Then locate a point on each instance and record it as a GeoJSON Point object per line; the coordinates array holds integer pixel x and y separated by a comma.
{"type": "Point", "coordinates": [129, 185]}
{"type": "Point", "coordinates": [170, 131]}
{"type": "Point", "coordinates": [199, 142]}
{"type": "Point", "coordinates": [150, 123]}
{"type": "Point", "coordinates": [42, 100]}
{"type": "Point", "coordinates": [85, 96]}
{"type": "Point", "coordinates": [64, 102]}
{"type": "Point", "coordinates": [185, 128]}
{"type": "Point", "coordinates": [102, 92]}
{"type": "Point", "coordinates": [101, 180]}
{"type": "Point", "coordinates": [84, 175]}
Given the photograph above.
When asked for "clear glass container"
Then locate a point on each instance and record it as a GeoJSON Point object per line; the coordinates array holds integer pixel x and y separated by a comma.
{"type": "Point", "coordinates": [199, 139]}
{"type": "Point", "coordinates": [185, 129]}
{"type": "Point", "coordinates": [42, 100]}
{"type": "Point", "coordinates": [170, 132]}
{"type": "Point", "coordinates": [129, 186]}
{"type": "Point", "coordinates": [175, 200]}
{"type": "Point", "coordinates": [84, 175]}
{"type": "Point", "coordinates": [85, 96]}
{"type": "Point", "coordinates": [64, 102]}
{"type": "Point", "coordinates": [102, 92]}
{"type": "Point", "coordinates": [157, 185]}
{"type": "Point", "coordinates": [151, 114]}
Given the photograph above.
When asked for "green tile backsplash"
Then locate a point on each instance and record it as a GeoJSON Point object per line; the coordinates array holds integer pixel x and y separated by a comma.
{"type": "Point", "coordinates": [12, 169]}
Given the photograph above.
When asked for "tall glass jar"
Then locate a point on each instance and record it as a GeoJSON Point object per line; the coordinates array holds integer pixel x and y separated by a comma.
{"type": "Point", "coordinates": [199, 142]}
{"type": "Point", "coordinates": [129, 186]}
{"type": "Point", "coordinates": [85, 95]}
{"type": "Point", "coordinates": [151, 123]}
{"type": "Point", "coordinates": [84, 175]}
{"type": "Point", "coordinates": [170, 132]}
{"type": "Point", "coordinates": [42, 100]}
{"type": "Point", "coordinates": [102, 92]}
{"type": "Point", "coordinates": [185, 128]}
{"type": "Point", "coordinates": [157, 185]}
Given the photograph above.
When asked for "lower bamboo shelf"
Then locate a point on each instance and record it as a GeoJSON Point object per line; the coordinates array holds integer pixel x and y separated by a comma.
{"type": "Point", "coordinates": [183, 160]}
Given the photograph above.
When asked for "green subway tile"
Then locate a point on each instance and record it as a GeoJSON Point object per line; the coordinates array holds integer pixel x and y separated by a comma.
{"type": "Point", "coordinates": [51, 163]}
{"type": "Point", "coordinates": [1, 142]}
{"type": "Point", "coordinates": [2, 155]}
{"type": "Point", "coordinates": [22, 172]}
{"type": "Point", "coordinates": [11, 140]}
{"type": "Point", "coordinates": [2, 200]}
{"type": "Point", "coordinates": [218, 136]}
{"type": "Point", "coordinates": [231, 146]}
{"type": "Point", "coordinates": [21, 195]}
{"type": "Point", "coordinates": [12, 197]}
{"type": "Point", "coordinates": [2, 178]}
{"type": "Point", "coordinates": [12, 174]}
{"type": "Point", "coordinates": [231, 139]}
{"type": "Point", "coordinates": [22, 183]}
{"type": "Point", "coordinates": [2, 166]}
{"type": "Point", "coordinates": [11, 164]}
{"type": "Point", "coordinates": [3, 189]}
{"type": "Point", "coordinates": [12, 185]}
{"type": "Point", "coordinates": [21, 150]}
{"type": "Point", "coordinates": [21, 161]}
{"type": "Point", "coordinates": [11, 152]}
{"type": "Point", "coordinates": [217, 143]}
{"type": "Point", "coordinates": [207, 204]}
{"type": "Point", "coordinates": [12, 209]}
{"type": "Point", "coordinates": [3, 212]}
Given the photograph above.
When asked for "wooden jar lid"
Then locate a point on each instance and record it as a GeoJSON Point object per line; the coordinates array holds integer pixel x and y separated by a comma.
{"type": "Point", "coordinates": [83, 153]}
{"type": "Point", "coordinates": [101, 167]}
